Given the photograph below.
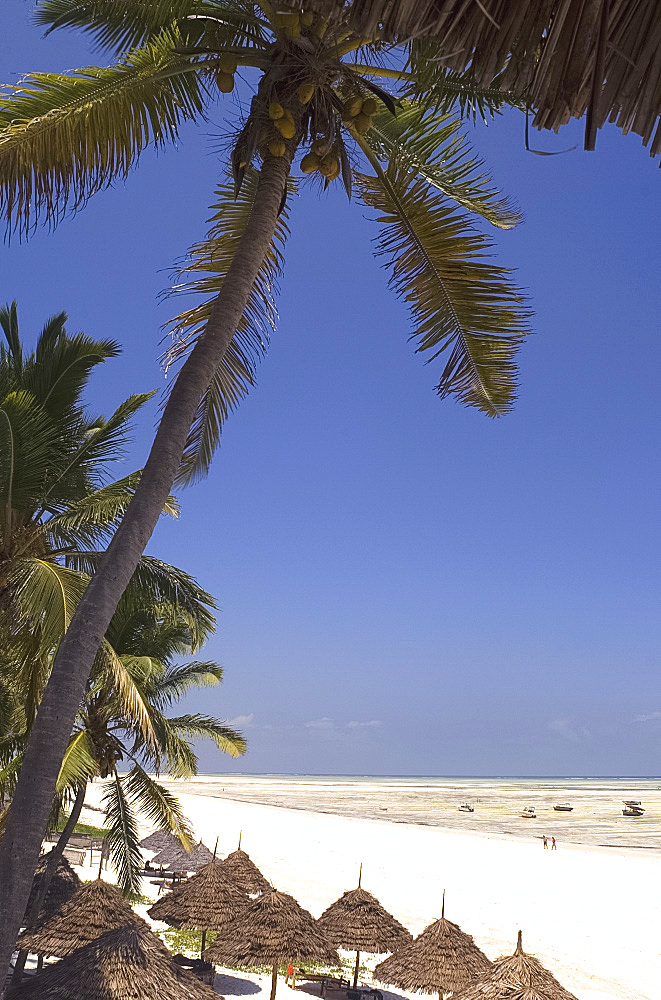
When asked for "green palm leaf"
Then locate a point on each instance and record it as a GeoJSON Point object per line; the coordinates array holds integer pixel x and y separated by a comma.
{"type": "Point", "coordinates": [432, 144]}
{"type": "Point", "coordinates": [204, 274]}
{"type": "Point", "coordinates": [65, 137]}
{"type": "Point", "coordinates": [178, 680]}
{"type": "Point", "coordinates": [196, 726]}
{"type": "Point", "coordinates": [133, 706]}
{"type": "Point", "coordinates": [60, 367]}
{"type": "Point", "coordinates": [447, 90]}
{"type": "Point", "coordinates": [78, 764]}
{"type": "Point", "coordinates": [462, 302]}
{"type": "Point", "coordinates": [122, 837]}
{"type": "Point", "coordinates": [159, 806]}
{"type": "Point", "coordinates": [47, 593]}
{"type": "Point", "coordinates": [30, 446]}
{"type": "Point", "coordinates": [125, 24]}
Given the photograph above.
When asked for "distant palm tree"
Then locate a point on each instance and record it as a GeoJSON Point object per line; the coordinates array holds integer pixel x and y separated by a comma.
{"type": "Point", "coordinates": [65, 136]}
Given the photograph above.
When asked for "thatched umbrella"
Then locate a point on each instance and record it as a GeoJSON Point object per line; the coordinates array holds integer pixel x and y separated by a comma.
{"type": "Point", "coordinates": [92, 910]}
{"type": "Point", "coordinates": [272, 929]}
{"type": "Point", "coordinates": [244, 872]}
{"type": "Point", "coordinates": [129, 963]}
{"type": "Point", "coordinates": [159, 841]}
{"type": "Point", "coordinates": [208, 902]}
{"type": "Point", "coordinates": [443, 959]}
{"type": "Point", "coordinates": [516, 972]}
{"type": "Point", "coordinates": [61, 887]}
{"type": "Point", "coordinates": [358, 922]}
{"type": "Point", "coordinates": [176, 859]}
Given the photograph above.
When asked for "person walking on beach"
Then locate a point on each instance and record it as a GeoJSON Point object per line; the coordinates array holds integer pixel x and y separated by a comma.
{"type": "Point", "coordinates": [545, 841]}
{"type": "Point", "coordinates": [554, 846]}
{"type": "Point", "coordinates": [291, 974]}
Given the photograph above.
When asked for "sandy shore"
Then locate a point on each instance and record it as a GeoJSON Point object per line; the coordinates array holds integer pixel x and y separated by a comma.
{"type": "Point", "coordinates": [591, 914]}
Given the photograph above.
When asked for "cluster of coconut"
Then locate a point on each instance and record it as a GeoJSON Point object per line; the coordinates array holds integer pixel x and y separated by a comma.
{"type": "Point", "coordinates": [227, 65]}
{"type": "Point", "coordinates": [291, 22]}
{"type": "Point", "coordinates": [323, 159]}
{"type": "Point", "coordinates": [359, 112]}
{"type": "Point", "coordinates": [283, 122]}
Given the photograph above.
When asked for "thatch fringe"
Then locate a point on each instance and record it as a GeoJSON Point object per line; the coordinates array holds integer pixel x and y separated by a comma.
{"type": "Point", "coordinates": [443, 959]}
{"type": "Point", "coordinates": [160, 840]}
{"type": "Point", "coordinates": [516, 972]}
{"type": "Point", "coordinates": [130, 963]}
{"type": "Point", "coordinates": [357, 921]}
{"type": "Point", "coordinates": [95, 908]}
{"type": "Point", "coordinates": [208, 901]}
{"type": "Point", "coordinates": [561, 56]}
{"type": "Point", "coordinates": [272, 929]}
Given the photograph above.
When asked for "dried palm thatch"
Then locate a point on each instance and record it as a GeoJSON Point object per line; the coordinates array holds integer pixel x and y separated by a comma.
{"type": "Point", "coordinates": [564, 58]}
{"type": "Point", "coordinates": [95, 908]}
{"type": "Point", "coordinates": [208, 902]}
{"type": "Point", "coordinates": [443, 959]}
{"type": "Point", "coordinates": [161, 840]}
{"type": "Point", "coordinates": [516, 972]}
{"type": "Point", "coordinates": [61, 887]}
{"type": "Point", "coordinates": [272, 929]}
{"type": "Point", "coordinates": [244, 872]}
{"type": "Point", "coordinates": [358, 922]}
{"type": "Point", "coordinates": [129, 963]}
{"type": "Point", "coordinates": [177, 859]}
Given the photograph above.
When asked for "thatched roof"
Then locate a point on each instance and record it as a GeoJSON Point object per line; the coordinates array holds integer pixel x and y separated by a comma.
{"type": "Point", "coordinates": [177, 859]}
{"type": "Point", "coordinates": [208, 901]}
{"type": "Point", "coordinates": [94, 908]}
{"type": "Point", "coordinates": [513, 973]}
{"type": "Point", "coordinates": [244, 872]}
{"type": "Point", "coordinates": [357, 921]}
{"type": "Point", "coordinates": [563, 57]}
{"type": "Point", "coordinates": [125, 964]}
{"type": "Point", "coordinates": [61, 887]}
{"type": "Point", "coordinates": [159, 841]}
{"type": "Point", "coordinates": [443, 959]}
{"type": "Point", "coordinates": [272, 929]}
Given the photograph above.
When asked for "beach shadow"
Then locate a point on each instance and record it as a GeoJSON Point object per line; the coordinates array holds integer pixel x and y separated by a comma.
{"type": "Point", "coordinates": [233, 986]}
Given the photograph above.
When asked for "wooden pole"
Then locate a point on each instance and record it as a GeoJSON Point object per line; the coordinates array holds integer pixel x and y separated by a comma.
{"type": "Point", "coordinates": [355, 971]}
{"type": "Point", "coordinates": [239, 847]}
{"type": "Point", "coordinates": [274, 981]}
{"type": "Point", "coordinates": [360, 874]}
{"type": "Point", "coordinates": [203, 944]}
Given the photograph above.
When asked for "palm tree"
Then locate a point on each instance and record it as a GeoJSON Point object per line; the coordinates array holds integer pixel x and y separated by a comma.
{"type": "Point", "coordinates": [319, 91]}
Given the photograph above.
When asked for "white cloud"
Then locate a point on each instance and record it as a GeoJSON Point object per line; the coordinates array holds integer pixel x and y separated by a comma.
{"type": "Point", "coordinates": [567, 730]}
{"type": "Point", "coordinates": [241, 721]}
{"type": "Point", "coordinates": [324, 723]}
{"type": "Point", "coordinates": [373, 723]}
{"type": "Point", "coordinates": [648, 717]}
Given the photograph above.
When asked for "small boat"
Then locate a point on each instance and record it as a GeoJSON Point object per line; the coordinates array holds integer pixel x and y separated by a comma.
{"type": "Point", "coordinates": [465, 807]}
{"type": "Point", "coordinates": [632, 807]}
{"type": "Point", "coordinates": [529, 813]}
{"type": "Point", "coordinates": [563, 807]}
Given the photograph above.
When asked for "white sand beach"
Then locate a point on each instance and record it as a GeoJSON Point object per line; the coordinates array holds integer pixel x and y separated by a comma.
{"type": "Point", "coordinates": [591, 914]}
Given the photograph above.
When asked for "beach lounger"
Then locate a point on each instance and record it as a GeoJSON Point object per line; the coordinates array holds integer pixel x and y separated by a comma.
{"type": "Point", "coordinates": [75, 856]}
{"type": "Point", "coordinates": [327, 982]}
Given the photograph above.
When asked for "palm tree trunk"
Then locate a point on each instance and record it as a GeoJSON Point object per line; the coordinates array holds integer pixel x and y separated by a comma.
{"type": "Point", "coordinates": [51, 867]}
{"type": "Point", "coordinates": [28, 816]}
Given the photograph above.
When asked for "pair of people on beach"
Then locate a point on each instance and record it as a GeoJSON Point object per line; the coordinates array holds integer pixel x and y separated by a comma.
{"type": "Point", "coordinates": [545, 841]}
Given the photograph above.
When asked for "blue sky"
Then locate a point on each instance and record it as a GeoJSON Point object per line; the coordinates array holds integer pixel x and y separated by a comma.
{"type": "Point", "coordinates": [406, 587]}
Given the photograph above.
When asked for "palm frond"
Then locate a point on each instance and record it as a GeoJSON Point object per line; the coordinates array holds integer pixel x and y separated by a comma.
{"type": "Point", "coordinates": [93, 518]}
{"type": "Point", "coordinates": [156, 582]}
{"type": "Point", "coordinates": [462, 303]}
{"type": "Point", "coordinates": [447, 90]}
{"type": "Point", "coordinates": [60, 367]}
{"type": "Point", "coordinates": [203, 274]}
{"type": "Point", "coordinates": [124, 24]}
{"type": "Point", "coordinates": [30, 447]}
{"type": "Point", "coordinates": [123, 842]}
{"type": "Point", "coordinates": [433, 146]}
{"type": "Point", "coordinates": [160, 807]}
{"type": "Point", "coordinates": [65, 137]}
{"type": "Point", "coordinates": [106, 439]}
{"type": "Point", "coordinates": [178, 680]}
{"type": "Point", "coordinates": [196, 726]}
{"type": "Point", "coordinates": [78, 764]}
{"type": "Point", "coordinates": [133, 705]}
{"type": "Point", "coordinates": [47, 594]}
